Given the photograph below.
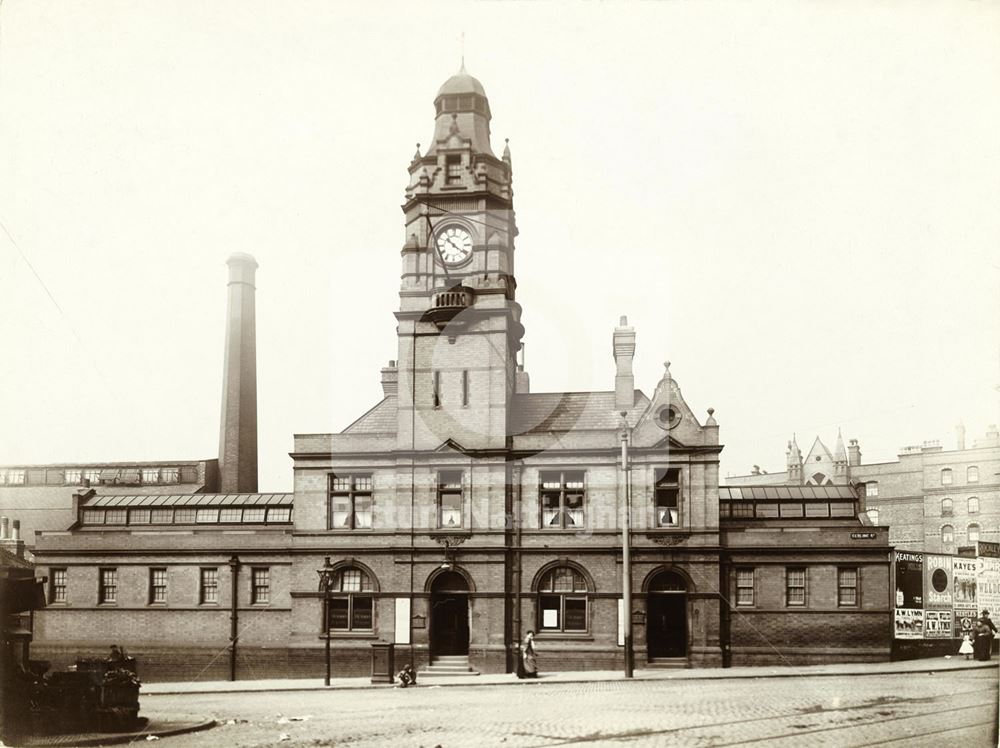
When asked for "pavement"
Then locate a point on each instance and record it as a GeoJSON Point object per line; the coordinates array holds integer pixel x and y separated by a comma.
{"type": "Point", "coordinates": [937, 664]}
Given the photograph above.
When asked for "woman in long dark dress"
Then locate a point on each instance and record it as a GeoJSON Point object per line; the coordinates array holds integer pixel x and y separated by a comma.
{"type": "Point", "coordinates": [983, 631]}
{"type": "Point", "coordinates": [529, 661]}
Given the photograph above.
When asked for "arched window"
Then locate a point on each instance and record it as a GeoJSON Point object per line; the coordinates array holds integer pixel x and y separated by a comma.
{"type": "Point", "coordinates": [562, 601]}
{"type": "Point", "coordinates": [946, 477]}
{"type": "Point", "coordinates": [973, 532]}
{"type": "Point", "coordinates": [351, 601]}
{"type": "Point", "coordinates": [946, 507]}
{"type": "Point", "coordinates": [973, 505]}
{"type": "Point", "coordinates": [972, 474]}
{"type": "Point", "coordinates": [948, 535]}
{"type": "Point", "coordinates": [871, 488]}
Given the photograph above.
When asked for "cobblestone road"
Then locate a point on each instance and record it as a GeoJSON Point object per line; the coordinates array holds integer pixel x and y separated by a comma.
{"type": "Point", "coordinates": [893, 710]}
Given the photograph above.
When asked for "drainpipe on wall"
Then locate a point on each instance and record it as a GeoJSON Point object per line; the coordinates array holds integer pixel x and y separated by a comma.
{"type": "Point", "coordinates": [234, 614]}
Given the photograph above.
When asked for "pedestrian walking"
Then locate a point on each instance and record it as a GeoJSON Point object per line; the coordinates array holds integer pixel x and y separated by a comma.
{"type": "Point", "coordinates": [528, 658]}
{"type": "Point", "coordinates": [966, 648]}
{"type": "Point", "coordinates": [983, 632]}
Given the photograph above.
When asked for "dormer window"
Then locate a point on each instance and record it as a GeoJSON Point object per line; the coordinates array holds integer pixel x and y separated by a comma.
{"type": "Point", "coordinates": [453, 170]}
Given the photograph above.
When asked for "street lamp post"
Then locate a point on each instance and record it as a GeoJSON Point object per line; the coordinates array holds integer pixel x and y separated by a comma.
{"type": "Point", "coordinates": [325, 580]}
{"type": "Point", "coordinates": [627, 553]}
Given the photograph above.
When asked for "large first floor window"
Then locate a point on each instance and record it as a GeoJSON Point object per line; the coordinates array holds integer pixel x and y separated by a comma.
{"type": "Point", "coordinates": [562, 601]}
{"type": "Point", "coordinates": [947, 534]}
{"type": "Point", "coordinates": [449, 498]}
{"type": "Point", "coordinates": [350, 502]}
{"type": "Point", "coordinates": [973, 533]}
{"type": "Point", "coordinates": [562, 495]}
{"type": "Point", "coordinates": [666, 495]}
{"type": "Point", "coordinates": [351, 601]}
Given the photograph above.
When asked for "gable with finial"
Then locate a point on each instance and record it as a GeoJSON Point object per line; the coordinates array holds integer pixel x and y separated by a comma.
{"type": "Point", "coordinates": [818, 467]}
{"type": "Point", "coordinates": [669, 421]}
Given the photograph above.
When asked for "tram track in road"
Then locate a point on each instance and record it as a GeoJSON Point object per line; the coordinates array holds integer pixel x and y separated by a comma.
{"type": "Point", "coordinates": [798, 734]}
{"type": "Point", "coordinates": [793, 733]}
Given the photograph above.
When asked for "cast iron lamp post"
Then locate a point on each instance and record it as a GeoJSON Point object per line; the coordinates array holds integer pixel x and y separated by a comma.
{"type": "Point", "coordinates": [325, 581]}
{"type": "Point", "coordinates": [626, 552]}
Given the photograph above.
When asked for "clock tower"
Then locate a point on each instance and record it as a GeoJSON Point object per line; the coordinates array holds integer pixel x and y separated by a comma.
{"type": "Point", "coordinates": [459, 325]}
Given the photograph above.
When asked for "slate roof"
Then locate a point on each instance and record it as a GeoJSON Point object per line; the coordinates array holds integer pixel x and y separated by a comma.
{"type": "Point", "coordinates": [529, 413]}
{"type": "Point", "coordinates": [568, 411]}
{"type": "Point", "coordinates": [379, 420]}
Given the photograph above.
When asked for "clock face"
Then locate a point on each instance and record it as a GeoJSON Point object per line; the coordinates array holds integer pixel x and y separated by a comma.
{"type": "Point", "coordinates": [454, 244]}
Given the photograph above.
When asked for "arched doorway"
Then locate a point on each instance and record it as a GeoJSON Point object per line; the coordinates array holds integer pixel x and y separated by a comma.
{"type": "Point", "coordinates": [666, 616]}
{"type": "Point", "coordinates": [449, 624]}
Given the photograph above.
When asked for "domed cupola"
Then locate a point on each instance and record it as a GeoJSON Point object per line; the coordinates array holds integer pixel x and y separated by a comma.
{"type": "Point", "coordinates": [462, 93]}
{"type": "Point", "coordinates": [462, 109]}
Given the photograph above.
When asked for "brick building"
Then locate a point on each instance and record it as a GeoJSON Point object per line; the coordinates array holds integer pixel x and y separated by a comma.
{"type": "Point", "coordinates": [932, 499]}
{"type": "Point", "coordinates": [41, 496]}
{"type": "Point", "coordinates": [463, 509]}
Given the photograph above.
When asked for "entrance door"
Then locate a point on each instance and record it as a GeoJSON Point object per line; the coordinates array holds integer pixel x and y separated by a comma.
{"type": "Point", "coordinates": [666, 617]}
{"type": "Point", "coordinates": [449, 625]}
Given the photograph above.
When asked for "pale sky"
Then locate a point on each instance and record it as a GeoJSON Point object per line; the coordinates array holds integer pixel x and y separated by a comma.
{"type": "Point", "coordinates": [797, 204]}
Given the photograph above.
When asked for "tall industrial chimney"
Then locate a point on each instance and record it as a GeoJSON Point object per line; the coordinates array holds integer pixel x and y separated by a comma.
{"type": "Point", "coordinates": [238, 430]}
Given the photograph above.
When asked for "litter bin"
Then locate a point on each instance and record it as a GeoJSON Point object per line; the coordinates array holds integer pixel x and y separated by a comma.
{"type": "Point", "coordinates": [382, 662]}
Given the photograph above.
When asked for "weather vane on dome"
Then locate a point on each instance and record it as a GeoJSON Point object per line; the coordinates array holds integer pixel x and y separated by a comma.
{"type": "Point", "coordinates": [463, 53]}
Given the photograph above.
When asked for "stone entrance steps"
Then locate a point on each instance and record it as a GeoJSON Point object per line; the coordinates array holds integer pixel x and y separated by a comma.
{"type": "Point", "coordinates": [666, 663]}
{"type": "Point", "coordinates": [445, 665]}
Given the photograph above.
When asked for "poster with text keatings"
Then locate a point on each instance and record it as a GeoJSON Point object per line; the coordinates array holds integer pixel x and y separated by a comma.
{"type": "Point", "coordinates": [937, 582]}
{"type": "Point", "coordinates": [909, 580]}
{"type": "Point", "coordinates": [909, 623]}
{"type": "Point", "coordinates": [937, 624]}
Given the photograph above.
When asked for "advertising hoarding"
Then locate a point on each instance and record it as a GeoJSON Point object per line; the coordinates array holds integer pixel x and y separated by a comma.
{"type": "Point", "coordinates": [938, 582]}
{"type": "Point", "coordinates": [937, 624]}
{"type": "Point", "coordinates": [988, 583]}
{"type": "Point", "coordinates": [964, 582]}
{"type": "Point", "coordinates": [909, 623]}
{"type": "Point", "coordinates": [909, 580]}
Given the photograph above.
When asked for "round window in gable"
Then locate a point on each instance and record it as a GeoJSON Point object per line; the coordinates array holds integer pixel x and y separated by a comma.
{"type": "Point", "coordinates": [667, 417]}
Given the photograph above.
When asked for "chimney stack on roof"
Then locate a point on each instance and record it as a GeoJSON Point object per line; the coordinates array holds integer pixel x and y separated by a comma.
{"type": "Point", "coordinates": [390, 380]}
{"type": "Point", "coordinates": [960, 435]}
{"type": "Point", "coordinates": [623, 348]}
{"type": "Point", "coordinates": [238, 430]}
{"type": "Point", "coordinates": [853, 453]}
{"type": "Point", "coordinates": [522, 383]}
